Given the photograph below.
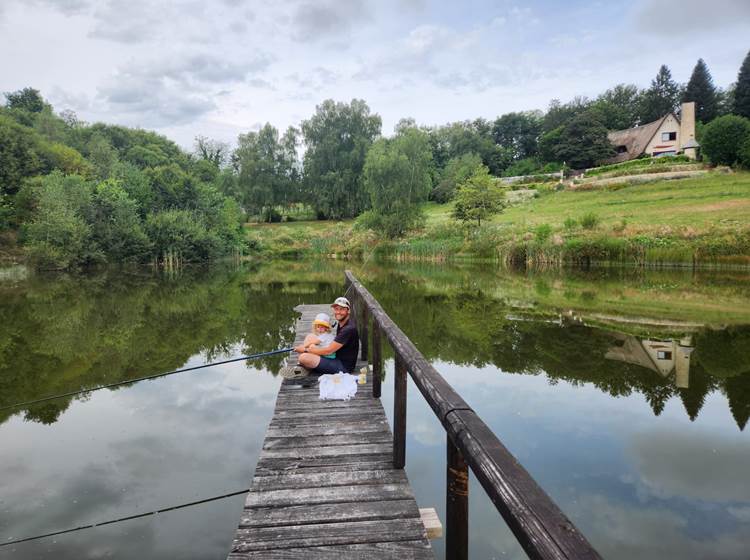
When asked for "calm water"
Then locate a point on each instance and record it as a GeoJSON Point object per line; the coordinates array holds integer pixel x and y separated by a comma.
{"type": "Point", "coordinates": [625, 394]}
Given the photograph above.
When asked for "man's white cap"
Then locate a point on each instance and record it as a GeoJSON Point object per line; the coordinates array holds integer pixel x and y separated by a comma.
{"type": "Point", "coordinates": [342, 302]}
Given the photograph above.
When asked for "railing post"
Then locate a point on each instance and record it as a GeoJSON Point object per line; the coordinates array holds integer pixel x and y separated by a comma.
{"type": "Point", "coordinates": [399, 414]}
{"type": "Point", "coordinates": [377, 359]}
{"type": "Point", "coordinates": [456, 504]}
{"type": "Point", "coordinates": [363, 331]}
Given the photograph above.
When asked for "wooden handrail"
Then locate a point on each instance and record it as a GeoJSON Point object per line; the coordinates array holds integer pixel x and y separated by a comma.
{"type": "Point", "coordinates": [540, 526]}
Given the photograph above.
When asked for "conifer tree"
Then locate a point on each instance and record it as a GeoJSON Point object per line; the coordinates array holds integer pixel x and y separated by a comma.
{"type": "Point", "coordinates": [701, 90]}
{"type": "Point", "coordinates": [661, 98]}
{"type": "Point", "coordinates": [742, 92]}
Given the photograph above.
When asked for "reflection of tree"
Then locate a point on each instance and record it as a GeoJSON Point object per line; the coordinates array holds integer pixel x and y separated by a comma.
{"type": "Point", "coordinates": [737, 390]}
{"type": "Point", "coordinates": [62, 334]}
{"type": "Point", "coordinates": [466, 326]}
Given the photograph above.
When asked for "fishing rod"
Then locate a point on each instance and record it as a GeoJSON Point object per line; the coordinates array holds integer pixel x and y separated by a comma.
{"type": "Point", "coordinates": [155, 376]}
{"type": "Point", "coordinates": [128, 518]}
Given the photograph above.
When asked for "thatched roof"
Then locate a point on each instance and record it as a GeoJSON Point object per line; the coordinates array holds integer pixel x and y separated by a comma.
{"type": "Point", "coordinates": [634, 139]}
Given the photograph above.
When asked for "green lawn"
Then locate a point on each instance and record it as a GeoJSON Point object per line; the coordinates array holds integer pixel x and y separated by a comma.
{"type": "Point", "coordinates": [712, 200]}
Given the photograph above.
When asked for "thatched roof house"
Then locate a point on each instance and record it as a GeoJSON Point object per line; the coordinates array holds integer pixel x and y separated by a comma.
{"type": "Point", "coordinates": [669, 135]}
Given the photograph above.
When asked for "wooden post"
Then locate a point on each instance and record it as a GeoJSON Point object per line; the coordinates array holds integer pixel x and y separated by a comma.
{"type": "Point", "coordinates": [377, 359]}
{"type": "Point", "coordinates": [363, 332]}
{"type": "Point", "coordinates": [456, 504]}
{"type": "Point", "coordinates": [399, 414]}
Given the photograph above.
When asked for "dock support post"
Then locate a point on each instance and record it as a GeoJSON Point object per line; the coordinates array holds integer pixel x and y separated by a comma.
{"type": "Point", "coordinates": [377, 359]}
{"type": "Point", "coordinates": [456, 504]}
{"type": "Point", "coordinates": [399, 414]}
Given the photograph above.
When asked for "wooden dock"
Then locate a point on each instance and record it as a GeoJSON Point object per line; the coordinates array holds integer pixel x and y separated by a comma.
{"type": "Point", "coordinates": [325, 485]}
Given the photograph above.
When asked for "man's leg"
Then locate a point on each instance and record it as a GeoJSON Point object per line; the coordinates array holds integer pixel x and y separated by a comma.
{"type": "Point", "coordinates": [310, 361]}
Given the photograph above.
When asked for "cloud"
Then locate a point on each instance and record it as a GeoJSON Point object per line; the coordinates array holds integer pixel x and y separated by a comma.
{"type": "Point", "coordinates": [319, 21]}
{"type": "Point", "coordinates": [684, 17]}
{"type": "Point", "coordinates": [67, 7]}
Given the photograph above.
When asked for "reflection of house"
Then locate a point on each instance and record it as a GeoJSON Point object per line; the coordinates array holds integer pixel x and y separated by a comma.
{"type": "Point", "coordinates": [662, 356]}
{"type": "Point", "coordinates": [667, 136]}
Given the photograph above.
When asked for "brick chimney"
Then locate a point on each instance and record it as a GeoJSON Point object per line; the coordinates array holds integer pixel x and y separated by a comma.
{"type": "Point", "coordinates": [687, 130]}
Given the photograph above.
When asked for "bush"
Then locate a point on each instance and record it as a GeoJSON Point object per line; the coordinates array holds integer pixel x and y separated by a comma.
{"type": "Point", "coordinates": [181, 233]}
{"type": "Point", "coordinates": [723, 139]}
{"type": "Point", "coordinates": [589, 220]}
{"type": "Point", "coordinates": [543, 232]}
{"type": "Point", "coordinates": [570, 223]}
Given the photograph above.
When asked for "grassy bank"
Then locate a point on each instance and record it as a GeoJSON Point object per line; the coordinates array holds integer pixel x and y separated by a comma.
{"type": "Point", "coordinates": [697, 221]}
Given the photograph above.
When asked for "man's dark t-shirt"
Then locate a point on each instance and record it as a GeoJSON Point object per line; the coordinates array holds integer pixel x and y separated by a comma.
{"type": "Point", "coordinates": [348, 337]}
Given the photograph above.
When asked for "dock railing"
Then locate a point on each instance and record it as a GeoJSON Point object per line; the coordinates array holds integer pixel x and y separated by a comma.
{"type": "Point", "coordinates": [540, 527]}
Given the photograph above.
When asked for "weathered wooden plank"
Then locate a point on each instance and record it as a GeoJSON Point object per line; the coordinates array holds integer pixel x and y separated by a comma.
{"type": "Point", "coordinates": [337, 451]}
{"type": "Point", "coordinates": [333, 413]}
{"type": "Point", "coordinates": [369, 462]}
{"type": "Point", "coordinates": [328, 429]}
{"type": "Point", "coordinates": [297, 536]}
{"type": "Point", "coordinates": [320, 480]}
{"type": "Point", "coordinates": [328, 513]}
{"type": "Point", "coordinates": [317, 407]}
{"type": "Point", "coordinates": [327, 495]}
{"type": "Point", "coordinates": [363, 461]}
{"type": "Point", "coordinates": [404, 550]}
{"type": "Point", "coordinates": [355, 438]}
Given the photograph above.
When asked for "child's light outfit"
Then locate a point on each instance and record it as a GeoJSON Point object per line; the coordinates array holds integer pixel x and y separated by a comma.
{"type": "Point", "coordinates": [325, 340]}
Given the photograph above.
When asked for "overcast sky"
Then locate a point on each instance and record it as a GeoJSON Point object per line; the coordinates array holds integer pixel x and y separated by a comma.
{"type": "Point", "coordinates": [190, 67]}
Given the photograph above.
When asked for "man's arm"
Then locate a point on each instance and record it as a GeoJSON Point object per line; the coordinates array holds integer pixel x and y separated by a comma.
{"type": "Point", "coordinates": [320, 351]}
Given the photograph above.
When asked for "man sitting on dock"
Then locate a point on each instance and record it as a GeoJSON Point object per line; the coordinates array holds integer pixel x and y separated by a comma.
{"type": "Point", "coordinates": [345, 345]}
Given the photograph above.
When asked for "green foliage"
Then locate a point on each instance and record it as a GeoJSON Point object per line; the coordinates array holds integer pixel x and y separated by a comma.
{"type": "Point", "coordinates": [742, 90]}
{"type": "Point", "coordinates": [115, 225]}
{"type": "Point", "coordinates": [337, 138]}
{"type": "Point", "coordinates": [66, 159]}
{"type": "Point", "coordinates": [102, 155]}
{"type": "Point", "coordinates": [27, 99]}
{"type": "Point", "coordinates": [478, 198]}
{"type": "Point", "coordinates": [582, 142]}
{"type": "Point", "coordinates": [397, 180]}
{"type": "Point", "coordinates": [59, 235]}
{"type": "Point", "coordinates": [589, 220]}
{"type": "Point", "coordinates": [182, 233]}
{"type": "Point", "coordinates": [617, 108]}
{"type": "Point", "coordinates": [701, 90]}
{"type": "Point", "coordinates": [661, 98]}
{"type": "Point", "coordinates": [456, 171]}
{"type": "Point", "coordinates": [570, 223]}
{"type": "Point", "coordinates": [639, 165]}
{"type": "Point", "coordinates": [559, 114]}
{"type": "Point", "coordinates": [542, 233]}
{"type": "Point", "coordinates": [518, 133]}
{"type": "Point", "coordinates": [19, 157]}
{"type": "Point", "coordinates": [723, 139]}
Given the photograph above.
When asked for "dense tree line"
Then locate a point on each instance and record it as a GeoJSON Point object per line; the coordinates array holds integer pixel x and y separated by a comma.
{"type": "Point", "coordinates": [79, 194]}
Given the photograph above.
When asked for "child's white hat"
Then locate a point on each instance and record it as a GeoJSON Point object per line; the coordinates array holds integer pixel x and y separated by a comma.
{"type": "Point", "coordinates": [322, 319]}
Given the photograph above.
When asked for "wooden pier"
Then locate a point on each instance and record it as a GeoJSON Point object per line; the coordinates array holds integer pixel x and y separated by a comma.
{"type": "Point", "coordinates": [325, 485]}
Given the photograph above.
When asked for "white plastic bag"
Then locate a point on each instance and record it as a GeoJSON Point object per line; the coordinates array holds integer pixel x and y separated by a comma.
{"type": "Point", "coordinates": [337, 386]}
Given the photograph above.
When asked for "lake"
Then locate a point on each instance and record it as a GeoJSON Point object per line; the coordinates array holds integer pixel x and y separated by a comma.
{"type": "Point", "coordinates": [625, 393]}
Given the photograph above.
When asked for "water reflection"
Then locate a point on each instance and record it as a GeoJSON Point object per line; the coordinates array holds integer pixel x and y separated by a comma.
{"type": "Point", "coordinates": [624, 393]}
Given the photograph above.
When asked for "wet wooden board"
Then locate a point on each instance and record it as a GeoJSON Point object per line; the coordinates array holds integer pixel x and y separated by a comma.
{"type": "Point", "coordinates": [324, 485]}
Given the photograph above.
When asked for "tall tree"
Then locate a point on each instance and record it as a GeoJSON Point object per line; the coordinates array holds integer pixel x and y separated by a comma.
{"type": "Point", "coordinates": [701, 90]}
{"type": "Point", "coordinates": [518, 132]}
{"type": "Point", "coordinates": [742, 90]}
{"type": "Point", "coordinates": [337, 138]}
{"type": "Point", "coordinates": [397, 179]}
{"type": "Point", "coordinates": [661, 98]}
{"type": "Point", "coordinates": [583, 142]}
{"type": "Point", "coordinates": [478, 198]}
{"type": "Point", "coordinates": [617, 108]}
{"type": "Point", "coordinates": [261, 180]}
{"type": "Point", "coordinates": [26, 99]}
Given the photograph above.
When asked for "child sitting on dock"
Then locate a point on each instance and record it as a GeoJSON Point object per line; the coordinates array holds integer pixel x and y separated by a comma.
{"type": "Point", "coordinates": [321, 335]}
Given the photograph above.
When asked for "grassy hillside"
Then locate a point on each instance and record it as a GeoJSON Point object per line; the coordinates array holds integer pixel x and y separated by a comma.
{"type": "Point", "coordinates": [702, 220]}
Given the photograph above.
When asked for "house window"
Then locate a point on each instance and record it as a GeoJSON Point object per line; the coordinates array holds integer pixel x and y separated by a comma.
{"type": "Point", "coordinates": [663, 355]}
{"type": "Point", "coordinates": [667, 136]}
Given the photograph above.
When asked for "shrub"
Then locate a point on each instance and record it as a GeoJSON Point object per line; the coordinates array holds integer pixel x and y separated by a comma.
{"type": "Point", "coordinates": [543, 232]}
{"type": "Point", "coordinates": [570, 223]}
{"type": "Point", "coordinates": [589, 220]}
{"type": "Point", "coordinates": [723, 139]}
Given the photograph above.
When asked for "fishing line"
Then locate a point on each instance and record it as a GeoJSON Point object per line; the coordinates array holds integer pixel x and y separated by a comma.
{"type": "Point", "coordinates": [128, 518]}
{"type": "Point", "coordinates": [155, 376]}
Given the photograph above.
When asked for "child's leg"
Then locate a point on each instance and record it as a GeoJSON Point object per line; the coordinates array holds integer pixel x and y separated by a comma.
{"type": "Point", "coordinates": [310, 340]}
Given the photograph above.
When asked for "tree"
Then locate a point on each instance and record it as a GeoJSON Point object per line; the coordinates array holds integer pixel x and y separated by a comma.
{"type": "Point", "coordinates": [213, 151]}
{"type": "Point", "coordinates": [26, 99]}
{"type": "Point", "coordinates": [742, 90]}
{"type": "Point", "coordinates": [478, 198]}
{"type": "Point", "coordinates": [617, 108]}
{"type": "Point", "coordinates": [518, 132]}
{"type": "Point", "coordinates": [582, 142]}
{"type": "Point", "coordinates": [701, 90]}
{"type": "Point", "coordinates": [723, 138]}
{"type": "Point", "coordinates": [115, 225]}
{"type": "Point", "coordinates": [661, 98]}
{"type": "Point", "coordinates": [19, 157]}
{"type": "Point", "coordinates": [559, 114]}
{"type": "Point", "coordinates": [397, 179]}
{"type": "Point", "coordinates": [455, 173]}
{"type": "Point", "coordinates": [337, 138]}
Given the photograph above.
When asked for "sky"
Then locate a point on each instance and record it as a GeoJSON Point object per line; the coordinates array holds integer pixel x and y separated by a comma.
{"type": "Point", "coordinates": [218, 69]}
